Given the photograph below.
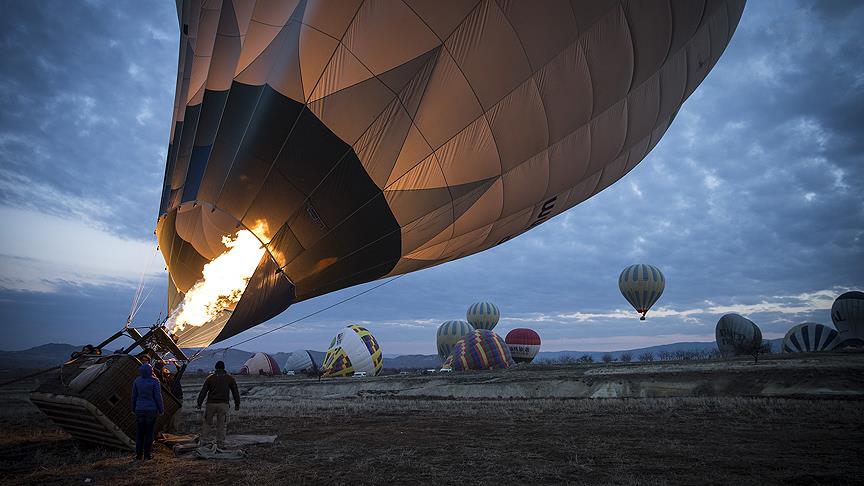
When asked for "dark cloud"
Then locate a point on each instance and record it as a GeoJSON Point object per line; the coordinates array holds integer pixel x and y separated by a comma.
{"type": "Point", "coordinates": [751, 202]}
{"type": "Point", "coordinates": [87, 90]}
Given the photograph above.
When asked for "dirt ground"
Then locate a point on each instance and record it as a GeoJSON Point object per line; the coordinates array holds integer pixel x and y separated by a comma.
{"type": "Point", "coordinates": [685, 440]}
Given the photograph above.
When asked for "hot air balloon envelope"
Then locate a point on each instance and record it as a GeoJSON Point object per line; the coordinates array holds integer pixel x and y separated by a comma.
{"type": "Point", "coordinates": [449, 333]}
{"type": "Point", "coordinates": [737, 335]}
{"type": "Point", "coordinates": [483, 315]}
{"type": "Point", "coordinates": [481, 349]}
{"type": "Point", "coordinates": [260, 364]}
{"type": "Point", "coordinates": [301, 361]}
{"type": "Point", "coordinates": [641, 285]}
{"type": "Point", "coordinates": [359, 140]}
{"type": "Point", "coordinates": [847, 313]}
{"type": "Point", "coordinates": [810, 337]}
{"type": "Point", "coordinates": [353, 349]}
{"type": "Point", "coordinates": [524, 344]}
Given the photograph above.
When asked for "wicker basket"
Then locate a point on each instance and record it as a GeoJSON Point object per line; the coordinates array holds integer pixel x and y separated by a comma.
{"type": "Point", "coordinates": [101, 412]}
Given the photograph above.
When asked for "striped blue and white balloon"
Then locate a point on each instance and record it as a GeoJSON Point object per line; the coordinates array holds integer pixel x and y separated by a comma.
{"type": "Point", "coordinates": [810, 337]}
{"type": "Point", "coordinates": [449, 334]}
{"type": "Point", "coordinates": [641, 285]}
{"type": "Point", "coordinates": [483, 315]}
{"type": "Point", "coordinates": [848, 316]}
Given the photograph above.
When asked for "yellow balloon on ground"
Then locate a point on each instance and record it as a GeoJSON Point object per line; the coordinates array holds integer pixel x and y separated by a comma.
{"type": "Point", "coordinates": [353, 349]}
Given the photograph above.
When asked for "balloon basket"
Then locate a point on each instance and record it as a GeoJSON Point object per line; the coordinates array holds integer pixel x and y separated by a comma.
{"type": "Point", "coordinates": [91, 397]}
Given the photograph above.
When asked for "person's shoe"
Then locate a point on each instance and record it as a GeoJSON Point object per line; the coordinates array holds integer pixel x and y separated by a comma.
{"type": "Point", "coordinates": [148, 457]}
{"type": "Point", "coordinates": [137, 457]}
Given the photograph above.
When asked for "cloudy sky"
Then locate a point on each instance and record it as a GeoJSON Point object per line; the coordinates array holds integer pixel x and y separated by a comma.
{"type": "Point", "coordinates": [751, 203]}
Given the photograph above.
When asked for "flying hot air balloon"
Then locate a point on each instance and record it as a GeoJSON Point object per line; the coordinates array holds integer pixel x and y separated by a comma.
{"type": "Point", "coordinates": [353, 349]}
{"type": "Point", "coordinates": [642, 285]}
{"type": "Point", "coordinates": [847, 313]}
{"type": "Point", "coordinates": [449, 333]}
{"type": "Point", "coordinates": [319, 145]}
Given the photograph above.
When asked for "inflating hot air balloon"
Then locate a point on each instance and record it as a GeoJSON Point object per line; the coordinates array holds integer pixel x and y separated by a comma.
{"type": "Point", "coordinates": [449, 334]}
{"type": "Point", "coordinates": [641, 285]}
{"type": "Point", "coordinates": [809, 337]}
{"type": "Point", "coordinates": [301, 361]}
{"type": "Point", "coordinates": [737, 335]}
{"type": "Point", "coordinates": [353, 349]}
{"type": "Point", "coordinates": [481, 349]}
{"type": "Point", "coordinates": [335, 143]}
{"type": "Point", "coordinates": [260, 364]}
{"type": "Point", "coordinates": [847, 312]}
{"type": "Point", "coordinates": [483, 315]}
{"type": "Point", "coordinates": [524, 344]}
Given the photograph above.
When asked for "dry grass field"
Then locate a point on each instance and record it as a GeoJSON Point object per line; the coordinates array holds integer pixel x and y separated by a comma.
{"type": "Point", "coordinates": [360, 440]}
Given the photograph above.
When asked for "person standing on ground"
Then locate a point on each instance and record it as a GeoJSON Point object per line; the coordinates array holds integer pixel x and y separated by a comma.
{"type": "Point", "coordinates": [147, 406]}
{"type": "Point", "coordinates": [215, 389]}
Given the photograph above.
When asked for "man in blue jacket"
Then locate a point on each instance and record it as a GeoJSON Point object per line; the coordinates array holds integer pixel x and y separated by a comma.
{"type": "Point", "coordinates": [147, 405]}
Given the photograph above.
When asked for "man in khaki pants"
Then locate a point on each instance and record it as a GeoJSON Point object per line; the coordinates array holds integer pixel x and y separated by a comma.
{"type": "Point", "coordinates": [215, 390]}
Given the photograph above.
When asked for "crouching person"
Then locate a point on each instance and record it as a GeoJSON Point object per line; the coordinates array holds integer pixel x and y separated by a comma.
{"type": "Point", "coordinates": [147, 406]}
{"type": "Point", "coordinates": [216, 389]}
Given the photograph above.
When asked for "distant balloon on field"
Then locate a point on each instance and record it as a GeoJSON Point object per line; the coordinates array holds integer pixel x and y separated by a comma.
{"type": "Point", "coordinates": [353, 349]}
{"type": "Point", "coordinates": [449, 334]}
{"type": "Point", "coordinates": [848, 316]}
{"type": "Point", "coordinates": [483, 315]}
{"type": "Point", "coordinates": [301, 361]}
{"type": "Point", "coordinates": [260, 364]}
{"type": "Point", "coordinates": [481, 349]}
{"type": "Point", "coordinates": [524, 344]}
{"type": "Point", "coordinates": [641, 285]}
{"type": "Point", "coordinates": [737, 335]}
{"type": "Point", "coordinates": [810, 337]}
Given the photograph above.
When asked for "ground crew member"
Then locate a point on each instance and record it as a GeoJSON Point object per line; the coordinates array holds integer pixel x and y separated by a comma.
{"type": "Point", "coordinates": [215, 389]}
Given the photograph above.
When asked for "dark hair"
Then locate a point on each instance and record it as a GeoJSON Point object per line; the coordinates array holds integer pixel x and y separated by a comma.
{"type": "Point", "coordinates": [220, 365]}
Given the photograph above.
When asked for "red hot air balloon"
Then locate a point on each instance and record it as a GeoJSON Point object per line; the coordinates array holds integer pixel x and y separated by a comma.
{"type": "Point", "coordinates": [524, 344]}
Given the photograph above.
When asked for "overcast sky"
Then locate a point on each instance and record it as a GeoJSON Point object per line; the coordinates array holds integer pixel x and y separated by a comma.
{"type": "Point", "coordinates": [751, 203]}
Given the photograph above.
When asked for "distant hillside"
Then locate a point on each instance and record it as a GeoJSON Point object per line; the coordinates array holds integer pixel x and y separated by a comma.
{"type": "Point", "coordinates": [43, 356]}
{"type": "Point", "coordinates": [49, 355]}
{"type": "Point", "coordinates": [413, 361]}
{"type": "Point", "coordinates": [776, 345]}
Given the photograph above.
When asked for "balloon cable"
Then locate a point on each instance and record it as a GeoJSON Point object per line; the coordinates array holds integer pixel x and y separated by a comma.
{"type": "Point", "coordinates": [295, 321]}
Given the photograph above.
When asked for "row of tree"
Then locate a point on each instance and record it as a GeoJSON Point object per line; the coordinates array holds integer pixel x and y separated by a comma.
{"type": "Point", "coordinates": [648, 356]}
